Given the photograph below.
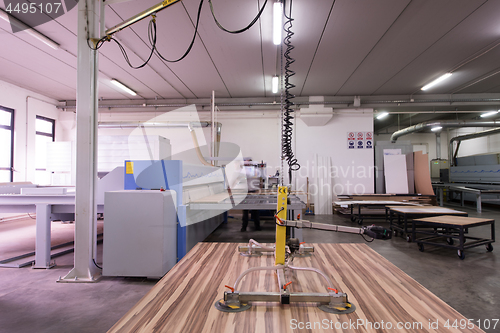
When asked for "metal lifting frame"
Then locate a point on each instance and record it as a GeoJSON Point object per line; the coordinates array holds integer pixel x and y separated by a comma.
{"type": "Point", "coordinates": [331, 301]}
{"type": "Point", "coordinates": [136, 18]}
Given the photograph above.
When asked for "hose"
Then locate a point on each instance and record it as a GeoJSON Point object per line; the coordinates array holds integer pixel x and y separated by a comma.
{"type": "Point", "coordinates": [287, 130]}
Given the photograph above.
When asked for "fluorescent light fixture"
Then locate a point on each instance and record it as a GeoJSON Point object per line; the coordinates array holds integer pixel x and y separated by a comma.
{"type": "Point", "coordinates": [382, 115]}
{"type": "Point", "coordinates": [275, 84]}
{"type": "Point", "coordinates": [22, 26]}
{"type": "Point", "coordinates": [437, 128]}
{"type": "Point", "coordinates": [277, 22]}
{"type": "Point", "coordinates": [436, 81]}
{"type": "Point", "coordinates": [123, 87]}
{"type": "Point", "coordinates": [489, 114]}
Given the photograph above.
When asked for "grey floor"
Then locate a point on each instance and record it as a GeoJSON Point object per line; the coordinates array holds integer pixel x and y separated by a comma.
{"type": "Point", "coordinates": [31, 300]}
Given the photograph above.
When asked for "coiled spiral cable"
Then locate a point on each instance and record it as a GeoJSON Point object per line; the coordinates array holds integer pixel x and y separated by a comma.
{"type": "Point", "coordinates": [287, 130]}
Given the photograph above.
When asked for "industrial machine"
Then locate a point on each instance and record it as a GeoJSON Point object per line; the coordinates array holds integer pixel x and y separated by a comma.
{"type": "Point", "coordinates": [331, 301]}
{"type": "Point", "coordinates": [437, 165]}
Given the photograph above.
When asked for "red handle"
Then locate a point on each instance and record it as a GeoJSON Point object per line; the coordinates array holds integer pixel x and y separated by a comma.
{"type": "Point", "coordinates": [232, 289]}
{"type": "Point", "coordinates": [286, 285]}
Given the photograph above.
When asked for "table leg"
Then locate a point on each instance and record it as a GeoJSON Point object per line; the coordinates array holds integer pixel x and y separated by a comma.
{"type": "Point", "coordinates": [478, 202]}
{"type": "Point", "coordinates": [493, 230]}
{"type": "Point", "coordinates": [441, 190]}
{"type": "Point", "coordinates": [42, 243]}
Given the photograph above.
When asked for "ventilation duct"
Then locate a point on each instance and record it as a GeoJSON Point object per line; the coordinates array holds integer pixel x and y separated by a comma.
{"type": "Point", "coordinates": [316, 114]}
{"type": "Point", "coordinates": [443, 123]}
{"type": "Point", "coordinates": [452, 156]}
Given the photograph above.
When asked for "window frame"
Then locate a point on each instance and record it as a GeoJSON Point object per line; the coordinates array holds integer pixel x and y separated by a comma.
{"type": "Point", "coordinates": [50, 135]}
{"type": "Point", "coordinates": [50, 120]}
{"type": "Point", "coordinates": [11, 128]}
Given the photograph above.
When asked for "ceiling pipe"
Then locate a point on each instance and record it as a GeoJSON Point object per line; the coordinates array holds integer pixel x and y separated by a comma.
{"type": "Point", "coordinates": [167, 124]}
{"type": "Point", "coordinates": [452, 156]}
{"type": "Point", "coordinates": [341, 101]}
{"type": "Point", "coordinates": [438, 145]}
{"type": "Point", "coordinates": [443, 123]}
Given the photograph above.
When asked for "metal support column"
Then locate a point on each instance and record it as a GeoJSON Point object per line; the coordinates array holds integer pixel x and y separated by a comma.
{"type": "Point", "coordinates": [85, 269]}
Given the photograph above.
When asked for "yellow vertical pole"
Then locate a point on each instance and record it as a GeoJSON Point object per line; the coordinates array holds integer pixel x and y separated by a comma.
{"type": "Point", "coordinates": [281, 230]}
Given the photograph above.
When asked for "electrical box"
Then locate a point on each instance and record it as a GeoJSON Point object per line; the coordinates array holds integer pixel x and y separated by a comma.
{"type": "Point", "coordinates": [140, 233]}
{"type": "Point", "coordinates": [437, 165]}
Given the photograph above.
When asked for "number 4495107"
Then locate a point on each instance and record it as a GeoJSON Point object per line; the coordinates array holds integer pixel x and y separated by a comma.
{"type": "Point", "coordinates": [32, 8]}
{"type": "Point", "coordinates": [469, 323]}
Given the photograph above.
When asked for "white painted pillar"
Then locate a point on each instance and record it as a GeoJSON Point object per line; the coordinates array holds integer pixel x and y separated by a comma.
{"type": "Point", "coordinates": [86, 147]}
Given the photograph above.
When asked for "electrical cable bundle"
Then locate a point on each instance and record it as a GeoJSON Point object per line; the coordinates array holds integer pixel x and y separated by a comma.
{"type": "Point", "coordinates": [152, 36]}
{"type": "Point", "coordinates": [287, 131]}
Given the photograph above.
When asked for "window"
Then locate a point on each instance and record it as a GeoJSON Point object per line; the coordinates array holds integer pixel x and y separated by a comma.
{"type": "Point", "coordinates": [7, 144]}
{"type": "Point", "coordinates": [45, 132]}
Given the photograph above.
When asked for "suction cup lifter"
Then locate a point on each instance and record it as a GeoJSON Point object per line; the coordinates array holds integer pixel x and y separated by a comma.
{"type": "Point", "coordinates": [377, 232]}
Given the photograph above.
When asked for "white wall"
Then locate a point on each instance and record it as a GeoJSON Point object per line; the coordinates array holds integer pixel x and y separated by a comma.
{"type": "Point", "coordinates": [353, 171]}
{"type": "Point", "coordinates": [27, 105]}
{"type": "Point", "coordinates": [258, 136]}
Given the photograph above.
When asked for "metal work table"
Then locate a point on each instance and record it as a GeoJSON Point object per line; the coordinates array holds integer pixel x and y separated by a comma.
{"type": "Point", "coordinates": [459, 223]}
{"type": "Point", "coordinates": [371, 205]}
{"type": "Point", "coordinates": [248, 201]}
{"type": "Point", "coordinates": [405, 213]}
{"type": "Point", "coordinates": [252, 201]}
{"type": "Point", "coordinates": [480, 193]}
{"type": "Point", "coordinates": [183, 300]}
{"type": "Point", "coordinates": [47, 209]}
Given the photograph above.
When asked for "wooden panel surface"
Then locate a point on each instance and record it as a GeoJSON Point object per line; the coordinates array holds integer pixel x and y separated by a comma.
{"type": "Point", "coordinates": [454, 220]}
{"type": "Point", "coordinates": [426, 210]}
{"type": "Point", "coordinates": [183, 301]}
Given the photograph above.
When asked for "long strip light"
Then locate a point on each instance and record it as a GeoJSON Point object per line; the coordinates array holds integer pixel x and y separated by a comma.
{"type": "Point", "coordinates": [382, 115]}
{"type": "Point", "coordinates": [123, 87]}
{"type": "Point", "coordinates": [23, 26]}
{"type": "Point", "coordinates": [436, 128]}
{"type": "Point", "coordinates": [489, 114]}
{"type": "Point", "coordinates": [436, 81]}
{"type": "Point", "coordinates": [277, 22]}
{"type": "Point", "coordinates": [275, 84]}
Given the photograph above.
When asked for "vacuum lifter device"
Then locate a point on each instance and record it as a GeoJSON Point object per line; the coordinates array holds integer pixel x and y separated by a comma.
{"type": "Point", "coordinates": [285, 251]}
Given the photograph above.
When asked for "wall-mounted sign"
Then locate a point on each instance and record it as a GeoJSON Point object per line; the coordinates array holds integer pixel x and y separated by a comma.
{"type": "Point", "coordinates": [359, 140]}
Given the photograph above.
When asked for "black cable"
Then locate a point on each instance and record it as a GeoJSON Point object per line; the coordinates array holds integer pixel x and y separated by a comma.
{"type": "Point", "coordinates": [152, 39]}
{"type": "Point", "coordinates": [192, 41]}
{"type": "Point", "coordinates": [287, 133]}
{"type": "Point", "coordinates": [240, 30]}
{"type": "Point", "coordinates": [366, 240]}
{"type": "Point", "coordinates": [96, 264]}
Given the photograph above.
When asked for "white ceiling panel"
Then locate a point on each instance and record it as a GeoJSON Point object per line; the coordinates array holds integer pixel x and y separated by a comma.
{"type": "Point", "coordinates": [469, 38]}
{"type": "Point", "coordinates": [365, 48]}
{"type": "Point", "coordinates": [420, 25]}
{"type": "Point", "coordinates": [353, 29]}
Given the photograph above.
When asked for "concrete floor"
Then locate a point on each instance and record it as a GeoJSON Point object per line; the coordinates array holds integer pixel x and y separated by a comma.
{"type": "Point", "coordinates": [31, 300]}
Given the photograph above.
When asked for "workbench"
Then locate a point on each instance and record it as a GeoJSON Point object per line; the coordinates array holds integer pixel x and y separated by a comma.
{"type": "Point", "coordinates": [372, 207]}
{"type": "Point", "coordinates": [408, 213]}
{"type": "Point", "coordinates": [183, 300]}
{"type": "Point", "coordinates": [479, 193]}
{"type": "Point", "coordinates": [457, 223]}
{"type": "Point", "coordinates": [47, 208]}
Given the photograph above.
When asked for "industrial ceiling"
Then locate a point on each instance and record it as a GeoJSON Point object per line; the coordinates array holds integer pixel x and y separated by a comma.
{"type": "Point", "coordinates": [383, 51]}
